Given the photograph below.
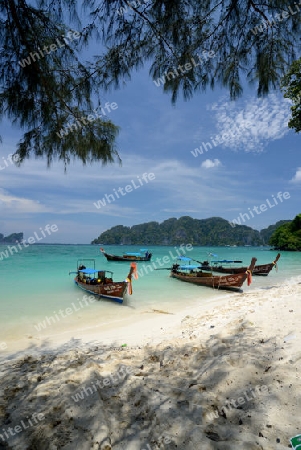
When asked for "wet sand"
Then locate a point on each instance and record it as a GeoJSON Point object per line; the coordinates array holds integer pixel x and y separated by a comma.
{"type": "Point", "coordinates": [224, 377]}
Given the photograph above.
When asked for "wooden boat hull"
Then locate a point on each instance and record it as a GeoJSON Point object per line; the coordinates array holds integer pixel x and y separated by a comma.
{"type": "Point", "coordinates": [230, 282]}
{"type": "Point", "coordinates": [260, 270]}
{"type": "Point", "coordinates": [127, 258]}
{"type": "Point", "coordinates": [112, 291]}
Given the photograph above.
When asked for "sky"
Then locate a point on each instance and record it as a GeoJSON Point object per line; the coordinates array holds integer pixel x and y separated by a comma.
{"type": "Point", "coordinates": [255, 157]}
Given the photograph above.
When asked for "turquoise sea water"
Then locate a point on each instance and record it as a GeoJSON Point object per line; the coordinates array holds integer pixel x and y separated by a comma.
{"type": "Point", "coordinates": [35, 284]}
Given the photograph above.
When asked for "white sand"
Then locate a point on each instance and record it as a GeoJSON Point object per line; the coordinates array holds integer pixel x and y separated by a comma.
{"type": "Point", "coordinates": [244, 349]}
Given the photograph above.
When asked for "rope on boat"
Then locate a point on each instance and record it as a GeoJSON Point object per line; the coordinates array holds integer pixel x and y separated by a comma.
{"type": "Point", "coordinates": [275, 262]}
{"type": "Point", "coordinates": [133, 271]}
{"type": "Point", "coordinates": [249, 275]}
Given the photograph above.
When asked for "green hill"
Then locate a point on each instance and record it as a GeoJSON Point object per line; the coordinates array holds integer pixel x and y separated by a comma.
{"type": "Point", "coordinates": [266, 233]}
{"type": "Point", "coordinates": [211, 232]}
{"type": "Point", "coordinates": [288, 235]}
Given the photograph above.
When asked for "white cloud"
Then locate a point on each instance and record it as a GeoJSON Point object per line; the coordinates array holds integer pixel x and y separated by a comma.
{"type": "Point", "coordinates": [75, 193]}
{"type": "Point", "coordinates": [15, 205]}
{"type": "Point", "coordinates": [208, 163]}
{"type": "Point", "coordinates": [251, 125]}
{"type": "Point", "coordinates": [297, 177]}
{"type": "Point", "coordinates": [177, 189]}
{"type": "Point", "coordinates": [84, 207]}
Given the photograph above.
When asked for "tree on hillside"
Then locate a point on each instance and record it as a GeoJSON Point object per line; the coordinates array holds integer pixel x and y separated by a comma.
{"type": "Point", "coordinates": [212, 231]}
{"type": "Point", "coordinates": [266, 233]}
{"type": "Point", "coordinates": [288, 236]}
{"type": "Point", "coordinates": [291, 83]}
{"type": "Point", "coordinates": [47, 88]}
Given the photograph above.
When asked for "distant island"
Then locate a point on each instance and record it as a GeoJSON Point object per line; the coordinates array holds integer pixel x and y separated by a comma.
{"type": "Point", "coordinates": [213, 231]}
{"type": "Point", "coordinates": [11, 239]}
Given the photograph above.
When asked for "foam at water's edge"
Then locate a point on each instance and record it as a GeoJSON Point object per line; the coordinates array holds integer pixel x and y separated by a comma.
{"type": "Point", "coordinates": [148, 325]}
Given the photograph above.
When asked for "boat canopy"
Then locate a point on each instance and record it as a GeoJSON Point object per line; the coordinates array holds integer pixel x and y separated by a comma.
{"type": "Point", "coordinates": [133, 254]}
{"type": "Point", "coordinates": [89, 271]}
{"type": "Point", "coordinates": [225, 261]}
{"type": "Point", "coordinates": [189, 267]}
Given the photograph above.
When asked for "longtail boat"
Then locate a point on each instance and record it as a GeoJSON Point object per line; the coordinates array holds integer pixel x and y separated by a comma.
{"type": "Point", "coordinates": [146, 256]}
{"type": "Point", "coordinates": [100, 282]}
{"type": "Point", "coordinates": [262, 269]}
{"type": "Point", "coordinates": [192, 274]}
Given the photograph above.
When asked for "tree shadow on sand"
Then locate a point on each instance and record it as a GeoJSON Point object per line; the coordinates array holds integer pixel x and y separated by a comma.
{"type": "Point", "coordinates": [176, 396]}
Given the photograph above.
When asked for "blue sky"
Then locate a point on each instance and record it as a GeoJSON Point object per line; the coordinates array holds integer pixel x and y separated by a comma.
{"type": "Point", "coordinates": [243, 171]}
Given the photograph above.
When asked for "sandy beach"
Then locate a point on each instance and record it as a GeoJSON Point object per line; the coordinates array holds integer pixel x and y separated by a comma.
{"type": "Point", "coordinates": [223, 377]}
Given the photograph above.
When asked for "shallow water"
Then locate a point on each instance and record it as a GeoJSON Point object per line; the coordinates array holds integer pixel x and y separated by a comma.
{"type": "Point", "coordinates": [36, 288]}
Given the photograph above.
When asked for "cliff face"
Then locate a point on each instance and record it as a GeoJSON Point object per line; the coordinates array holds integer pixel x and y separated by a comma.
{"type": "Point", "coordinates": [267, 233]}
{"type": "Point", "coordinates": [11, 239]}
{"type": "Point", "coordinates": [213, 231]}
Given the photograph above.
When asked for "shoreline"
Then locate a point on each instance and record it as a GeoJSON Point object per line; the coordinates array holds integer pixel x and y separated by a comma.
{"type": "Point", "coordinates": [226, 375]}
{"type": "Point", "coordinates": [127, 330]}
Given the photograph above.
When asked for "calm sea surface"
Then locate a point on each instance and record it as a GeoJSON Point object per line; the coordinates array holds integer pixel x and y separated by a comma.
{"type": "Point", "coordinates": [35, 284]}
